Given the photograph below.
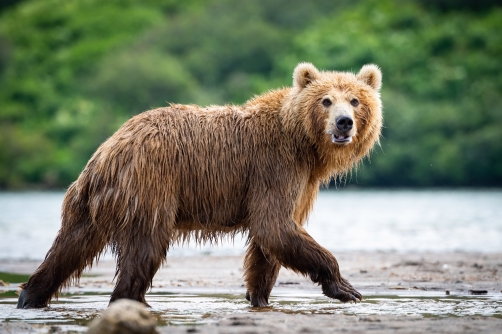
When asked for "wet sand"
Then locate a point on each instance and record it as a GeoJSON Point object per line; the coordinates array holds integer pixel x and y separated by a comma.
{"type": "Point", "coordinates": [378, 275]}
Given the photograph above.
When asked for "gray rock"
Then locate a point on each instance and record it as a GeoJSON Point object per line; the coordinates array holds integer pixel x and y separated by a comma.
{"type": "Point", "coordinates": [125, 317]}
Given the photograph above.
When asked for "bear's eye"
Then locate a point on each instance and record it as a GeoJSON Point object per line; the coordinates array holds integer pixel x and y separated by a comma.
{"type": "Point", "coordinates": [326, 102]}
{"type": "Point", "coordinates": [354, 102]}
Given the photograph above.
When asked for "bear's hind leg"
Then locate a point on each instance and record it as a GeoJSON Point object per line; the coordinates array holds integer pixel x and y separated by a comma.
{"type": "Point", "coordinates": [260, 274]}
{"type": "Point", "coordinates": [139, 256]}
{"type": "Point", "coordinates": [75, 247]}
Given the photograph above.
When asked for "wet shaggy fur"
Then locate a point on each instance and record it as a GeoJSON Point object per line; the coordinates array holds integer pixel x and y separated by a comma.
{"type": "Point", "coordinates": [185, 172]}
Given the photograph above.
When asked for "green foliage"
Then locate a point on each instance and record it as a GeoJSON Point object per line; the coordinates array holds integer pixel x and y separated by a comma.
{"type": "Point", "coordinates": [48, 49]}
{"type": "Point", "coordinates": [72, 71]}
{"type": "Point", "coordinates": [13, 278]}
{"type": "Point", "coordinates": [138, 81]}
{"type": "Point", "coordinates": [458, 5]}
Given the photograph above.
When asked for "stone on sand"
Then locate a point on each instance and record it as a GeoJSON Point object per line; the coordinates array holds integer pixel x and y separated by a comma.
{"type": "Point", "coordinates": [125, 317]}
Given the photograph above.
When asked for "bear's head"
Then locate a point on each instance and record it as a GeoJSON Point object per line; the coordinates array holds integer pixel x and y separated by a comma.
{"type": "Point", "coordinates": [341, 112]}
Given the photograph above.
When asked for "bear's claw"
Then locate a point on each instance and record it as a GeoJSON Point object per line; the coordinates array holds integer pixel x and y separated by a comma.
{"type": "Point", "coordinates": [342, 291]}
{"type": "Point", "coordinates": [24, 303]}
{"type": "Point", "coordinates": [256, 301]}
{"type": "Point", "coordinates": [22, 300]}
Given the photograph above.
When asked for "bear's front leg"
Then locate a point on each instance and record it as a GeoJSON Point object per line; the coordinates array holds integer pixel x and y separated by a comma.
{"type": "Point", "coordinates": [295, 249]}
{"type": "Point", "coordinates": [260, 274]}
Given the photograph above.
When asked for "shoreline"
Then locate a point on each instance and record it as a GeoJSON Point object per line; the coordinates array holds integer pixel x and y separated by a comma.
{"type": "Point", "coordinates": [427, 271]}
{"type": "Point", "coordinates": [387, 275]}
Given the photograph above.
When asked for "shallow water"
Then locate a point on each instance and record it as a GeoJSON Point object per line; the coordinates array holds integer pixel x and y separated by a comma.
{"type": "Point", "coordinates": [342, 220]}
{"type": "Point", "coordinates": [74, 310]}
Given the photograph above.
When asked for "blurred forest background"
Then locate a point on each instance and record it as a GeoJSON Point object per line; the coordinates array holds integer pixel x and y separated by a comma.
{"type": "Point", "coordinates": [71, 72]}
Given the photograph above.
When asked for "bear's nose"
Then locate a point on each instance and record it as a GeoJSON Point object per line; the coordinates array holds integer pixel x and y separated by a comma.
{"type": "Point", "coordinates": [344, 123]}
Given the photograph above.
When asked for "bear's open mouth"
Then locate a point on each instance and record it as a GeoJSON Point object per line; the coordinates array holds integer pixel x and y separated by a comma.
{"type": "Point", "coordinates": [340, 139]}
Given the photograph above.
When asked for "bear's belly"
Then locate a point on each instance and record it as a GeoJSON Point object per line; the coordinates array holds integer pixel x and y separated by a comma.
{"type": "Point", "coordinates": [223, 219]}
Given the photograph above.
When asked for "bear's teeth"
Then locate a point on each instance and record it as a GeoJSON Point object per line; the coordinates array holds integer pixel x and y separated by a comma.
{"type": "Point", "coordinates": [337, 139]}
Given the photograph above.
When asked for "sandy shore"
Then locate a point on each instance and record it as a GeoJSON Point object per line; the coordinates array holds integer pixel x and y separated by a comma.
{"type": "Point", "coordinates": [385, 273]}
{"type": "Point", "coordinates": [458, 272]}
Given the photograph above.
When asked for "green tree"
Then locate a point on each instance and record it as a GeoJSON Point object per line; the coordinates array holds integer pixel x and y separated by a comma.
{"type": "Point", "coordinates": [72, 71]}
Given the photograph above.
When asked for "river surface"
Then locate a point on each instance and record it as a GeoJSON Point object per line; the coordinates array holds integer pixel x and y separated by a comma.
{"type": "Point", "coordinates": [342, 220]}
{"type": "Point", "coordinates": [74, 311]}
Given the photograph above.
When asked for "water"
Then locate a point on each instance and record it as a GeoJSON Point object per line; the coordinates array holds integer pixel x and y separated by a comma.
{"type": "Point", "coordinates": [409, 220]}
{"type": "Point", "coordinates": [74, 311]}
{"type": "Point", "coordinates": [342, 220]}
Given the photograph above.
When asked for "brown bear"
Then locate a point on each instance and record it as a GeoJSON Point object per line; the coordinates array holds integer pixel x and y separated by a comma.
{"type": "Point", "coordinates": [186, 172]}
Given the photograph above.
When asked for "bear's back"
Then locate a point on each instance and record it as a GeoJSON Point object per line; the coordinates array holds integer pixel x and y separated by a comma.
{"type": "Point", "coordinates": [205, 161]}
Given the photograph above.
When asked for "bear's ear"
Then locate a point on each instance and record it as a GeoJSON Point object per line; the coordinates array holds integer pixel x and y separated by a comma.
{"type": "Point", "coordinates": [304, 74]}
{"type": "Point", "coordinates": [371, 75]}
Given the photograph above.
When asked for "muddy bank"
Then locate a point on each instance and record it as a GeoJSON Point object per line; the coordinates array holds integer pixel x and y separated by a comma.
{"type": "Point", "coordinates": [458, 272]}
{"type": "Point", "coordinates": [275, 322]}
{"type": "Point", "coordinates": [403, 291]}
